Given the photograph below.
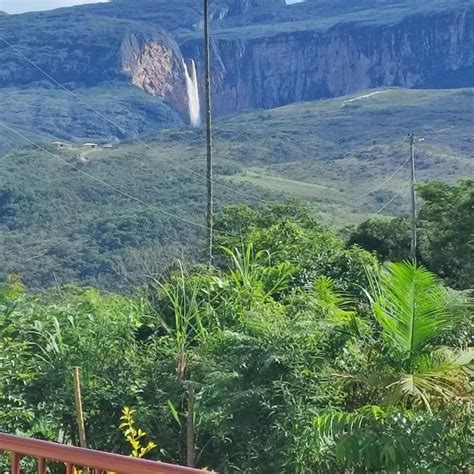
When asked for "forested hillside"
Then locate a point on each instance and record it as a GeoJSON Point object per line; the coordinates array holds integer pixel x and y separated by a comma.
{"type": "Point", "coordinates": [96, 217]}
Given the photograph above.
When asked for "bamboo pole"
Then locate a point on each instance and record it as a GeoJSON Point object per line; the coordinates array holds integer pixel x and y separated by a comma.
{"type": "Point", "coordinates": [79, 412]}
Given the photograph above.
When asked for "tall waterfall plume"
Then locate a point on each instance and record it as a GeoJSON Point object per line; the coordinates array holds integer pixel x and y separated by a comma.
{"type": "Point", "coordinates": [192, 89]}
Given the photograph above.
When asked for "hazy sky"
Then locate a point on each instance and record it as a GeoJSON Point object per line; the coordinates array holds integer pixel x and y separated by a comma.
{"type": "Point", "coordinates": [20, 6]}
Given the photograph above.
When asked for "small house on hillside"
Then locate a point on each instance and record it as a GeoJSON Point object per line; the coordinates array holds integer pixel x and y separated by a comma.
{"type": "Point", "coordinates": [61, 145]}
{"type": "Point", "coordinates": [108, 146]}
{"type": "Point", "coordinates": [92, 146]}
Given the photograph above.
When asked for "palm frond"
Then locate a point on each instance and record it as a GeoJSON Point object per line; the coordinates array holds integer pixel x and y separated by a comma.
{"type": "Point", "coordinates": [439, 379]}
{"type": "Point", "coordinates": [336, 423]}
{"type": "Point", "coordinates": [411, 305]}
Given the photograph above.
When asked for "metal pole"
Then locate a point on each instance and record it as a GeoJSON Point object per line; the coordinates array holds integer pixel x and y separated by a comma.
{"type": "Point", "coordinates": [412, 140]}
{"type": "Point", "coordinates": [210, 191]}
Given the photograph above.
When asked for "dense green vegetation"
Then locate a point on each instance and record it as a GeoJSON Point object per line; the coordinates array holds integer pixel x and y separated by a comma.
{"type": "Point", "coordinates": [59, 225]}
{"type": "Point", "coordinates": [304, 355]}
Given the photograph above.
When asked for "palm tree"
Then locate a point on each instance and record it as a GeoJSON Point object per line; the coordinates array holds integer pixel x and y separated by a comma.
{"type": "Point", "coordinates": [415, 371]}
{"type": "Point", "coordinates": [414, 310]}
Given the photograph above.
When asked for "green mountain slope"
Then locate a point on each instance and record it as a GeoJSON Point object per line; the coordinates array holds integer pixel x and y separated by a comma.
{"type": "Point", "coordinates": [57, 222]}
{"type": "Point", "coordinates": [349, 146]}
{"type": "Point", "coordinates": [54, 112]}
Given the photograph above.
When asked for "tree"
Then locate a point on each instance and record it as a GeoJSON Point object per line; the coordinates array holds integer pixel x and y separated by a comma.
{"type": "Point", "coordinates": [295, 354]}
{"type": "Point", "coordinates": [447, 231]}
{"type": "Point", "coordinates": [414, 309]}
{"type": "Point", "coordinates": [290, 233]}
{"type": "Point", "coordinates": [388, 238]}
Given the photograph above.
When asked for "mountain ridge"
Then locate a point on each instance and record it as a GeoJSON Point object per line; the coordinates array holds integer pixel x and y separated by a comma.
{"type": "Point", "coordinates": [127, 43]}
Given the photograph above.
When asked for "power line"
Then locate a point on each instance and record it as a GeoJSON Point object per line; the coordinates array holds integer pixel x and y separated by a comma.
{"type": "Point", "coordinates": [393, 198]}
{"type": "Point", "coordinates": [383, 183]}
{"type": "Point", "coordinates": [115, 125]}
{"type": "Point", "coordinates": [152, 205]}
{"type": "Point", "coordinates": [442, 129]}
{"type": "Point", "coordinates": [147, 204]}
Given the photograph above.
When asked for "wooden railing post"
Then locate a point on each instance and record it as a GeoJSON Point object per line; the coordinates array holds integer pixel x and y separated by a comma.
{"type": "Point", "coordinates": [41, 466]}
{"type": "Point", "coordinates": [190, 448]}
{"type": "Point", "coordinates": [15, 463]}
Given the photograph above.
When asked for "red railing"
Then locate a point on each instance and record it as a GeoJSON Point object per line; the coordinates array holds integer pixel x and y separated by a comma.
{"type": "Point", "coordinates": [44, 451]}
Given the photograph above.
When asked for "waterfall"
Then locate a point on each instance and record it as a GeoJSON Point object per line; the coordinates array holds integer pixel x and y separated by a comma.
{"type": "Point", "coordinates": [192, 89]}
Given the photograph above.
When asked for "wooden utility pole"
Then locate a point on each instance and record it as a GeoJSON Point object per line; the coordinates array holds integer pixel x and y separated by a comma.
{"type": "Point", "coordinates": [190, 448]}
{"type": "Point", "coordinates": [412, 139]}
{"type": "Point", "coordinates": [79, 412]}
{"type": "Point", "coordinates": [210, 191]}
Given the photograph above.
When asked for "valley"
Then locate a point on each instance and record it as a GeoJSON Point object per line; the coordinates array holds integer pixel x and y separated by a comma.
{"type": "Point", "coordinates": [99, 221]}
{"type": "Point", "coordinates": [326, 123]}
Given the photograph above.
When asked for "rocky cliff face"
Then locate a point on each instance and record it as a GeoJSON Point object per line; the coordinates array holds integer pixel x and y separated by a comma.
{"type": "Point", "coordinates": [86, 51]}
{"type": "Point", "coordinates": [265, 54]}
{"type": "Point", "coordinates": [157, 68]}
{"type": "Point", "coordinates": [241, 7]}
{"type": "Point", "coordinates": [432, 50]}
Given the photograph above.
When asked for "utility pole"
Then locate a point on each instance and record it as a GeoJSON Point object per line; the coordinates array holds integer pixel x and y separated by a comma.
{"type": "Point", "coordinates": [209, 175]}
{"type": "Point", "coordinates": [412, 139]}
